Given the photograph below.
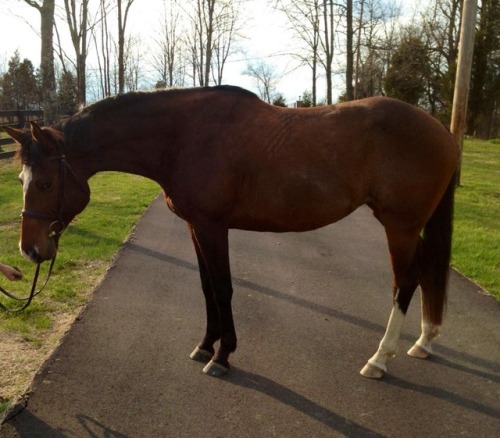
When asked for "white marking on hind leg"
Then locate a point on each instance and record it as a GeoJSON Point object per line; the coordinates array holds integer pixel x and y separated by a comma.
{"type": "Point", "coordinates": [423, 347]}
{"type": "Point", "coordinates": [376, 366]}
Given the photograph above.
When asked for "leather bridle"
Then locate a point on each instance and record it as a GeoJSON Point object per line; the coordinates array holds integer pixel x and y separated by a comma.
{"type": "Point", "coordinates": [56, 228]}
{"type": "Point", "coordinates": [64, 170]}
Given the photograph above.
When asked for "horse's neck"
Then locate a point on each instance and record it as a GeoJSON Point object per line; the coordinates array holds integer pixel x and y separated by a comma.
{"type": "Point", "coordinates": [125, 150]}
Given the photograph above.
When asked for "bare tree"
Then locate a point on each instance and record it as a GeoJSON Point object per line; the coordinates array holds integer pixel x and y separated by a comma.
{"type": "Point", "coordinates": [313, 23]}
{"type": "Point", "coordinates": [265, 77]}
{"type": "Point", "coordinates": [484, 99]}
{"type": "Point", "coordinates": [355, 92]}
{"type": "Point", "coordinates": [213, 31]}
{"type": "Point", "coordinates": [374, 40]}
{"type": "Point", "coordinates": [133, 60]}
{"type": "Point", "coordinates": [349, 71]}
{"type": "Point", "coordinates": [46, 9]}
{"type": "Point", "coordinates": [304, 18]}
{"type": "Point", "coordinates": [200, 40]}
{"type": "Point", "coordinates": [77, 19]}
{"type": "Point", "coordinates": [441, 27]}
{"type": "Point", "coordinates": [227, 25]}
{"type": "Point", "coordinates": [123, 11]}
{"type": "Point", "coordinates": [103, 47]}
{"type": "Point", "coordinates": [440, 24]}
{"type": "Point", "coordinates": [327, 43]}
{"type": "Point", "coordinates": [113, 54]}
{"type": "Point", "coordinates": [168, 61]}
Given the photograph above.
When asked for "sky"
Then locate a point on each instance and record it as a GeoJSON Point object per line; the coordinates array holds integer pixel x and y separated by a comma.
{"type": "Point", "coordinates": [266, 30]}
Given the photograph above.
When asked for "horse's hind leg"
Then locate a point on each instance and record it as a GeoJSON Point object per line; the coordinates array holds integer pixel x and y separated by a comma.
{"type": "Point", "coordinates": [430, 331]}
{"type": "Point", "coordinates": [403, 248]}
{"type": "Point", "coordinates": [432, 312]}
{"type": "Point", "coordinates": [212, 249]}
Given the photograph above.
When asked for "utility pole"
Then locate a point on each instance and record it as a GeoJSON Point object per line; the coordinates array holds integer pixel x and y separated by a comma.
{"type": "Point", "coordinates": [462, 80]}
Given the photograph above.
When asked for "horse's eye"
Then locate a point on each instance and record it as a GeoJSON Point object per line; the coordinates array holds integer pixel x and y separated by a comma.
{"type": "Point", "coordinates": [46, 185]}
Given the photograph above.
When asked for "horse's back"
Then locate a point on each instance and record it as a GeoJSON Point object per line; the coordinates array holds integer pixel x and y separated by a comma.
{"type": "Point", "coordinates": [318, 165]}
{"type": "Point", "coordinates": [265, 168]}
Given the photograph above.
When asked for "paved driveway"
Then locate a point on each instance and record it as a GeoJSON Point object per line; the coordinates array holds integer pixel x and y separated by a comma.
{"type": "Point", "coordinates": [310, 309]}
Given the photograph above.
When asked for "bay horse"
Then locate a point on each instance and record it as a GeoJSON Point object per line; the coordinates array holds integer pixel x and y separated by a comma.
{"type": "Point", "coordinates": [225, 159]}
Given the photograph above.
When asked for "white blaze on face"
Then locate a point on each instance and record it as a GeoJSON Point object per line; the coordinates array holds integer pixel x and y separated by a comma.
{"type": "Point", "coordinates": [25, 177]}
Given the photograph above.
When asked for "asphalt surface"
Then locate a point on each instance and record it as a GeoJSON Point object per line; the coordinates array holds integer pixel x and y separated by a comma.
{"type": "Point", "coordinates": [309, 308]}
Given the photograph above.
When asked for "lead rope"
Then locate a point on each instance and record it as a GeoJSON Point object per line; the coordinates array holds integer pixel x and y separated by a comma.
{"type": "Point", "coordinates": [33, 292]}
{"type": "Point", "coordinates": [63, 168]}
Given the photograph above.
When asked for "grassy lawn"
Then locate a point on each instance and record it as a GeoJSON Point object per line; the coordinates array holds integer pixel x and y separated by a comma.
{"type": "Point", "coordinates": [8, 147]}
{"type": "Point", "coordinates": [87, 249]}
{"type": "Point", "coordinates": [476, 243]}
{"type": "Point", "coordinates": [118, 200]}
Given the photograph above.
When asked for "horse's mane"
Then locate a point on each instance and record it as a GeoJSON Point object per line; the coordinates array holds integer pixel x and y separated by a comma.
{"type": "Point", "coordinates": [136, 97]}
{"type": "Point", "coordinates": [75, 127]}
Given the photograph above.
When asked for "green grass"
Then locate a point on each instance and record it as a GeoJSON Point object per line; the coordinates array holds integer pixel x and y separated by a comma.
{"type": "Point", "coordinates": [8, 147]}
{"type": "Point", "coordinates": [87, 246]}
{"type": "Point", "coordinates": [86, 251]}
{"type": "Point", "coordinates": [3, 405]}
{"type": "Point", "coordinates": [476, 242]}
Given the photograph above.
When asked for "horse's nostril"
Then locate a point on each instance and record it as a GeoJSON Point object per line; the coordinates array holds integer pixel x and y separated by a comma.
{"type": "Point", "coordinates": [35, 256]}
{"type": "Point", "coordinates": [32, 254]}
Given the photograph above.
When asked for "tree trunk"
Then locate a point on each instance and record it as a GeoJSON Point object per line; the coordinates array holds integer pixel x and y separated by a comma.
{"type": "Point", "coordinates": [209, 22]}
{"type": "Point", "coordinates": [122, 23]}
{"type": "Point", "coordinates": [328, 44]}
{"type": "Point", "coordinates": [121, 49]}
{"type": "Point", "coordinates": [78, 32]}
{"type": "Point", "coordinates": [349, 91]}
{"type": "Point", "coordinates": [358, 51]}
{"type": "Point", "coordinates": [47, 59]}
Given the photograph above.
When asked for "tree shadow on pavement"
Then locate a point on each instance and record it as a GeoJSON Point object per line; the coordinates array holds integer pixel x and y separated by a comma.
{"type": "Point", "coordinates": [443, 394]}
{"type": "Point", "coordinates": [28, 425]}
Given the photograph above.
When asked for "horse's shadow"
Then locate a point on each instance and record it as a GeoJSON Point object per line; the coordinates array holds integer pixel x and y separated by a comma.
{"type": "Point", "coordinates": [336, 422]}
{"type": "Point", "coordinates": [286, 396]}
{"type": "Point", "coordinates": [442, 394]}
{"type": "Point", "coordinates": [490, 368]}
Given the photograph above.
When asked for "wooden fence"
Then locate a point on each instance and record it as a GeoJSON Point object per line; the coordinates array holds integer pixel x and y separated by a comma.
{"type": "Point", "coordinates": [15, 119]}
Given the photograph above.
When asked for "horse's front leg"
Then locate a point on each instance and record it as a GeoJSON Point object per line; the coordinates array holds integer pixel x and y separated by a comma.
{"type": "Point", "coordinates": [204, 351]}
{"type": "Point", "coordinates": [212, 250]}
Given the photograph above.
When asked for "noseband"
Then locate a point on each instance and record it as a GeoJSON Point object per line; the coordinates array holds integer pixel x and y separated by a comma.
{"type": "Point", "coordinates": [56, 228]}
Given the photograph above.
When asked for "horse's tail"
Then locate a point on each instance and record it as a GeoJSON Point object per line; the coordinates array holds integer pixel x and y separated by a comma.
{"type": "Point", "coordinates": [436, 255]}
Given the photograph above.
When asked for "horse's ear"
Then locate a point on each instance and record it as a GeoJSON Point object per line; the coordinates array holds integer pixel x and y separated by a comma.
{"type": "Point", "coordinates": [15, 133]}
{"type": "Point", "coordinates": [38, 134]}
{"type": "Point", "coordinates": [47, 138]}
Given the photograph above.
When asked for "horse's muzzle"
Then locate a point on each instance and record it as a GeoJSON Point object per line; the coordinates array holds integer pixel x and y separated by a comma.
{"type": "Point", "coordinates": [40, 253]}
{"type": "Point", "coordinates": [32, 254]}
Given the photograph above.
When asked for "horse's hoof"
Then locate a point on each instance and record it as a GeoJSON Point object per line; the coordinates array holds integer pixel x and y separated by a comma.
{"type": "Point", "coordinates": [418, 352]}
{"type": "Point", "coordinates": [372, 371]}
{"type": "Point", "coordinates": [200, 355]}
{"type": "Point", "coordinates": [215, 369]}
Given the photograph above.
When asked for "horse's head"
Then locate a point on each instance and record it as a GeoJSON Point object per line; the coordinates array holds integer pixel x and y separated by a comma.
{"type": "Point", "coordinates": [53, 192]}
